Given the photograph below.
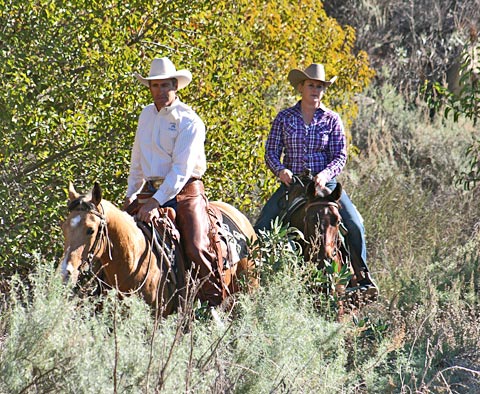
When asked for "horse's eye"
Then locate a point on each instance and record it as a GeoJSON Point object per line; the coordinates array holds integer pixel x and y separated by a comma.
{"type": "Point", "coordinates": [90, 231]}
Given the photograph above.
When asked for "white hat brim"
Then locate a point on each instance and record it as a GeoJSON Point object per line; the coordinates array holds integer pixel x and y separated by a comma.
{"type": "Point", "coordinates": [184, 77]}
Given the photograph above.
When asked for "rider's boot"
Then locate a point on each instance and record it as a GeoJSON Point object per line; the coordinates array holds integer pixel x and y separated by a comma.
{"type": "Point", "coordinates": [368, 287]}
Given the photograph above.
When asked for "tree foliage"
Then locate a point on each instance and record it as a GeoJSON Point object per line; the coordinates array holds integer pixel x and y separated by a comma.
{"type": "Point", "coordinates": [410, 41]}
{"type": "Point", "coordinates": [464, 103]}
{"type": "Point", "coordinates": [69, 103]}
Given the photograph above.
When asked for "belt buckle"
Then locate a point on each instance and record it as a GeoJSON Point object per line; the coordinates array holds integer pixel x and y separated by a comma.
{"type": "Point", "coordinates": [157, 183]}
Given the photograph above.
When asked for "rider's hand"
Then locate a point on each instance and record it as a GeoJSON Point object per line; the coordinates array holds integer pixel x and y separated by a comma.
{"type": "Point", "coordinates": [320, 180]}
{"type": "Point", "coordinates": [149, 211]}
{"type": "Point", "coordinates": [285, 176]}
{"type": "Point", "coordinates": [127, 202]}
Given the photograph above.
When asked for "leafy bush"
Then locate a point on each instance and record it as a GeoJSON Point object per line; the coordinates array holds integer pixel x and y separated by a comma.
{"type": "Point", "coordinates": [69, 105]}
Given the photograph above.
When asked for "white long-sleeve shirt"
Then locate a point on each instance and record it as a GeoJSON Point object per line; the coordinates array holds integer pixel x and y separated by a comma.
{"type": "Point", "coordinates": [168, 144]}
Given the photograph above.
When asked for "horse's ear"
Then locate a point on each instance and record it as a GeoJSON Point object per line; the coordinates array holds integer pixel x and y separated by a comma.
{"type": "Point", "coordinates": [72, 193]}
{"type": "Point", "coordinates": [337, 193]}
{"type": "Point", "coordinates": [310, 190]}
{"type": "Point", "coordinates": [96, 194]}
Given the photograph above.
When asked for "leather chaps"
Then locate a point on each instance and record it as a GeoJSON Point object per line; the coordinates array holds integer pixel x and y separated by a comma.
{"type": "Point", "coordinates": [201, 241]}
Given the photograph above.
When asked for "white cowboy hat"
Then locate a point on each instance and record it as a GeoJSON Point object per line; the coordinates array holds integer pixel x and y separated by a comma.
{"type": "Point", "coordinates": [163, 68]}
{"type": "Point", "coordinates": [314, 71]}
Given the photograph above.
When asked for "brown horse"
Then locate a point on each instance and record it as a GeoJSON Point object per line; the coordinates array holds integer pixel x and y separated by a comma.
{"type": "Point", "coordinates": [96, 231]}
{"type": "Point", "coordinates": [316, 214]}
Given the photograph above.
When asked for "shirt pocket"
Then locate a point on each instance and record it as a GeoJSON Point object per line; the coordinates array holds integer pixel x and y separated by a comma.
{"type": "Point", "coordinates": [293, 132]}
{"type": "Point", "coordinates": [168, 134]}
{"type": "Point", "coordinates": [322, 138]}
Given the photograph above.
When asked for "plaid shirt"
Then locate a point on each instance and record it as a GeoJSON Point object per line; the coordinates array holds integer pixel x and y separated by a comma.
{"type": "Point", "coordinates": [320, 146]}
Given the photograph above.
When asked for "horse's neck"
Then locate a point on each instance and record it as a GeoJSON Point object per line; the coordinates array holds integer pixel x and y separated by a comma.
{"type": "Point", "coordinates": [127, 240]}
{"type": "Point", "coordinates": [295, 200]}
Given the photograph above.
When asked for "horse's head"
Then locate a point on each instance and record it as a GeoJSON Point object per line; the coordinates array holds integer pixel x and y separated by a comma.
{"type": "Point", "coordinates": [83, 232]}
{"type": "Point", "coordinates": [320, 221]}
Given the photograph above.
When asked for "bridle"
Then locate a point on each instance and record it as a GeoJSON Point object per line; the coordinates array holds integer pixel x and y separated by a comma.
{"type": "Point", "coordinates": [334, 244]}
{"type": "Point", "coordinates": [303, 180]}
{"type": "Point", "coordinates": [100, 237]}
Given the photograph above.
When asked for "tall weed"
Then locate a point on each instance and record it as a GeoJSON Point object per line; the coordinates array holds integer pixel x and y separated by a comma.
{"type": "Point", "coordinates": [423, 244]}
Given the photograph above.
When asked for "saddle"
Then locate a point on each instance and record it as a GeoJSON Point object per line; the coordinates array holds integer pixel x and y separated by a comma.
{"type": "Point", "coordinates": [233, 241]}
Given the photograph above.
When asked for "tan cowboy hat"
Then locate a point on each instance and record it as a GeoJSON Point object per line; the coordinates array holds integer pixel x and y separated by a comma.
{"type": "Point", "coordinates": [163, 68]}
{"type": "Point", "coordinates": [314, 71]}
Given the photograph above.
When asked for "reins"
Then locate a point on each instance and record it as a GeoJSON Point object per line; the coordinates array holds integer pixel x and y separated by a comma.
{"type": "Point", "coordinates": [295, 204]}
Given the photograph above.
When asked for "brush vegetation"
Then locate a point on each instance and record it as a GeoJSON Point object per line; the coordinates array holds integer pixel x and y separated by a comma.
{"type": "Point", "coordinates": [421, 336]}
{"type": "Point", "coordinates": [73, 116]}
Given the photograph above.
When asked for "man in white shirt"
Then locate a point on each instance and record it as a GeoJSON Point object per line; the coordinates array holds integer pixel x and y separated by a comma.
{"type": "Point", "coordinates": [167, 163]}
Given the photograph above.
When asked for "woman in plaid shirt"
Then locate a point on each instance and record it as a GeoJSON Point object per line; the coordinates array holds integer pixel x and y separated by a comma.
{"type": "Point", "coordinates": [309, 136]}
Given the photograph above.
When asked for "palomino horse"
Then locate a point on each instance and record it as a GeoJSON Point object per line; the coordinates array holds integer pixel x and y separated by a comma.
{"type": "Point", "coordinates": [95, 230]}
{"type": "Point", "coordinates": [316, 214]}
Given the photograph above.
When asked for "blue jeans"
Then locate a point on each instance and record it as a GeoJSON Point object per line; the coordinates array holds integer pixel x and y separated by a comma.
{"type": "Point", "coordinates": [350, 217]}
